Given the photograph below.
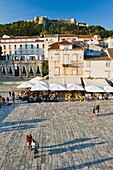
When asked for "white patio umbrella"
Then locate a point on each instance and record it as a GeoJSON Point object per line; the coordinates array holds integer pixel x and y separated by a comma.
{"type": "Point", "coordinates": [25, 85]}
{"type": "Point", "coordinates": [94, 89]}
{"type": "Point", "coordinates": [74, 87]}
{"type": "Point", "coordinates": [57, 87]}
{"type": "Point", "coordinates": [108, 89]}
{"type": "Point", "coordinates": [40, 87]}
{"type": "Point", "coordinates": [36, 79]}
{"type": "Point", "coordinates": [42, 82]}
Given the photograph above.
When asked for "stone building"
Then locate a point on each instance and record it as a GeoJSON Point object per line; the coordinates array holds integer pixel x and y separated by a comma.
{"type": "Point", "coordinates": [23, 56]}
{"type": "Point", "coordinates": [66, 62]}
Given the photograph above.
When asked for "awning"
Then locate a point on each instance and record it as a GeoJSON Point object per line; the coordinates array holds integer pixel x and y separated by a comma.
{"type": "Point", "coordinates": [57, 87]}
{"type": "Point", "coordinates": [74, 87]}
{"type": "Point", "coordinates": [97, 85]}
{"type": "Point", "coordinates": [26, 85]}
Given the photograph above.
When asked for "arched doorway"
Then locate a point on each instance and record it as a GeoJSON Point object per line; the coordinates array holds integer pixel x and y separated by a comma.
{"type": "Point", "coordinates": [23, 70]}
{"type": "Point", "coordinates": [3, 69]}
{"type": "Point", "coordinates": [16, 70]}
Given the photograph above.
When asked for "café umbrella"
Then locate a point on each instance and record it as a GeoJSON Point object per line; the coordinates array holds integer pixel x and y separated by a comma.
{"type": "Point", "coordinates": [40, 87]}
{"type": "Point", "coordinates": [25, 85]}
{"type": "Point", "coordinates": [57, 87]}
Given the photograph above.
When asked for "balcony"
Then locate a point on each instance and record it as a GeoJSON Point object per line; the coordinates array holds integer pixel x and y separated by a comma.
{"type": "Point", "coordinates": [66, 65]}
{"type": "Point", "coordinates": [72, 64]}
{"type": "Point", "coordinates": [76, 64]}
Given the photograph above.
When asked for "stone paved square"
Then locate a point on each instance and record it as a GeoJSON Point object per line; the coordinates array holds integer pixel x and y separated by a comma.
{"type": "Point", "coordinates": [70, 136]}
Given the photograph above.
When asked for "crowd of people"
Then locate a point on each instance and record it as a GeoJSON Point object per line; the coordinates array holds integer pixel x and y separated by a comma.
{"type": "Point", "coordinates": [6, 101]}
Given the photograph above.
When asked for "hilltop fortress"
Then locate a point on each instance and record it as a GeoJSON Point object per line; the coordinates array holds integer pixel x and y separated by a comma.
{"type": "Point", "coordinates": [45, 20]}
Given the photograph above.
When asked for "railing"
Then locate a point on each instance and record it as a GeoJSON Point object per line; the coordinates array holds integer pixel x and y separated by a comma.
{"type": "Point", "coordinates": [72, 64]}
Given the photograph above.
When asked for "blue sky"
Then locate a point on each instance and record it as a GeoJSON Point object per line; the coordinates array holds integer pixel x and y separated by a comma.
{"type": "Point", "coordinates": [93, 12]}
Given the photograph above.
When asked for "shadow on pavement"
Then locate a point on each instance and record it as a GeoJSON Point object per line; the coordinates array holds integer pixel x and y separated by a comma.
{"type": "Point", "coordinates": [77, 147]}
{"type": "Point", "coordinates": [87, 164]}
{"type": "Point", "coordinates": [20, 125]}
{"type": "Point", "coordinates": [105, 114]}
{"type": "Point", "coordinates": [5, 111]}
{"type": "Point", "coordinates": [70, 142]}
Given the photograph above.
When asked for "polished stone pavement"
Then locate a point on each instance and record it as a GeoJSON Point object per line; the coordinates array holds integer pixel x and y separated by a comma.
{"type": "Point", "coordinates": [70, 136]}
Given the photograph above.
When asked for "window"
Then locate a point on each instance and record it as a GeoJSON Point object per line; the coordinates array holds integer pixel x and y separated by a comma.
{"type": "Point", "coordinates": [4, 47]}
{"type": "Point", "coordinates": [16, 58]}
{"type": "Point", "coordinates": [10, 52]}
{"type": "Point", "coordinates": [108, 64]}
{"type": "Point", "coordinates": [66, 47]}
{"type": "Point", "coordinates": [9, 46]}
{"type": "Point", "coordinates": [10, 70]}
{"type": "Point", "coordinates": [25, 46]}
{"type": "Point", "coordinates": [32, 58]}
{"type": "Point", "coordinates": [56, 57]}
{"type": "Point", "coordinates": [20, 46]}
{"type": "Point", "coordinates": [37, 46]}
{"type": "Point", "coordinates": [32, 51]}
{"type": "Point", "coordinates": [107, 74]}
{"type": "Point", "coordinates": [15, 52]}
{"type": "Point", "coordinates": [4, 52]}
{"type": "Point", "coordinates": [31, 70]}
{"type": "Point", "coordinates": [74, 71]}
{"type": "Point", "coordinates": [22, 58]}
{"type": "Point", "coordinates": [75, 57]}
{"type": "Point", "coordinates": [42, 45]}
{"type": "Point", "coordinates": [66, 59]}
{"type": "Point", "coordinates": [88, 64]}
{"type": "Point", "coordinates": [38, 70]}
{"type": "Point", "coordinates": [57, 71]}
{"type": "Point", "coordinates": [24, 69]}
{"type": "Point", "coordinates": [14, 46]}
{"type": "Point", "coordinates": [38, 58]}
{"type": "Point", "coordinates": [87, 73]}
{"type": "Point", "coordinates": [3, 70]}
{"type": "Point", "coordinates": [31, 46]}
{"type": "Point", "coordinates": [42, 57]}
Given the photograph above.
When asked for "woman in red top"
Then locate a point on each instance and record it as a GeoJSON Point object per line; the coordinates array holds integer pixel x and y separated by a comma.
{"type": "Point", "coordinates": [29, 139]}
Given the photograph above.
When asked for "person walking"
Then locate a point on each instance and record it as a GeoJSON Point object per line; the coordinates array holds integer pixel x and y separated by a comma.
{"type": "Point", "coordinates": [29, 140]}
{"type": "Point", "coordinates": [13, 96]}
{"type": "Point", "coordinates": [7, 101]}
{"type": "Point", "coordinates": [94, 109]}
{"type": "Point", "coordinates": [34, 147]}
{"type": "Point", "coordinates": [98, 108]}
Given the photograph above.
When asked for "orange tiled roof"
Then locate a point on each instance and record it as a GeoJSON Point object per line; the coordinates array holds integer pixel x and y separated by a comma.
{"type": "Point", "coordinates": [65, 42]}
{"type": "Point", "coordinates": [56, 45]}
{"type": "Point", "coordinates": [79, 36]}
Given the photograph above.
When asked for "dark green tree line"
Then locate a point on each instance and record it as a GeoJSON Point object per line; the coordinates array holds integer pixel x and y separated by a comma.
{"type": "Point", "coordinates": [30, 28]}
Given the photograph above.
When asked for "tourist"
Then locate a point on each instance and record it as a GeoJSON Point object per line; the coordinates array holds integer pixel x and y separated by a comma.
{"type": "Point", "coordinates": [98, 108]}
{"type": "Point", "coordinates": [35, 147]}
{"type": "Point", "coordinates": [29, 139]}
{"type": "Point", "coordinates": [3, 100]}
{"type": "Point", "coordinates": [7, 101]}
{"type": "Point", "coordinates": [94, 109]}
{"type": "Point", "coordinates": [9, 94]}
{"type": "Point", "coordinates": [13, 97]}
{"type": "Point", "coordinates": [17, 97]}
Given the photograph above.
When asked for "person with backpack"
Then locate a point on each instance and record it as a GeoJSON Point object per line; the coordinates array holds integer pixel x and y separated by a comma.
{"type": "Point", "coordinates": [34, 147]}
